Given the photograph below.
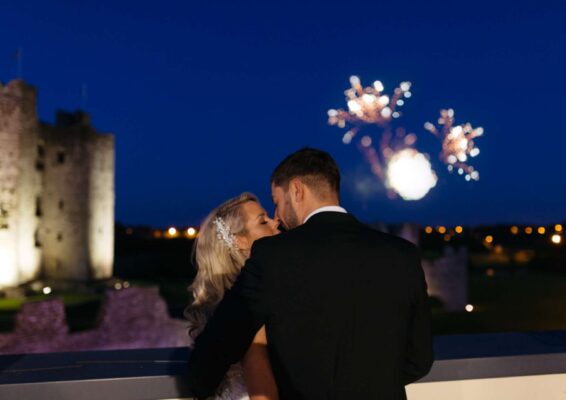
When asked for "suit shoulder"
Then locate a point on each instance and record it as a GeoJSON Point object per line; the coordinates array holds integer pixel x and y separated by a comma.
{"type": "Point", "coordinates": [268, 244]}
{"type": "Point", "coordinates": [265, 245]}
{"type": "Point", "coordinates": [395, 242]}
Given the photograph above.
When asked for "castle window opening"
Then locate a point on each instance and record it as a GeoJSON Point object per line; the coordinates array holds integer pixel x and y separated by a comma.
{"type": "Point", "coordinates": [61, 204]}
{"type": "Point", "coordinates": [3, 217]}
{"type": "Point", "coordinates": [40, 151]}
{"type": "Point", "coordinates": [61, 157]}
{"type": "Point", "coordinates": [36, 238]}
{"type": "Point", "coordinates": [38, 207]}
{"type": "Point", "coordinates": [59, 237]}
{"type": "Point", "coordinates": [39, 165]}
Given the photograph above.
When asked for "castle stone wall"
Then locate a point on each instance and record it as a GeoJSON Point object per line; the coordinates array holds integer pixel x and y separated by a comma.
{"type": "Point", "coordinates": [56, 193]}
{"type": "Point", "coordinates": [447, 278]}
{"type": "Point", "coordinates": [20, 184]}
{"type": "Point", "coordinates": [101, 205]}
{"type": "Point", "coordinates": [65, 203]}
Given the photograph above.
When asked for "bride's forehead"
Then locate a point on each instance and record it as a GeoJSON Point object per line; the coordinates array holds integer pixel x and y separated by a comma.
{"type": "Point", "coordinates": [253, 208]}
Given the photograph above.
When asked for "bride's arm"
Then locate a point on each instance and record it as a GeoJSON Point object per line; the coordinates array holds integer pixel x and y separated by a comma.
{"type": "Point", "coordinates": [257, 370]}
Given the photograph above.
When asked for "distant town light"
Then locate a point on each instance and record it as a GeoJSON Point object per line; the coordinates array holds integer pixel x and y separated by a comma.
{"type": "Point", "coordinates": [191, 232]}
{"type": "Point", "coordinates": [541, 230]}
{"type": "Point", "coordinates": [428, 229]}
{"type": "Point", "coordinates": [514, 230]}
{"type": "Point", "coordinates": [126, 284]}
{"type": "Point", "coordinates": [558, 228]}
{"type": "Point", "coordinates": [556, 239]}
{"type": "Point", "coordinates": [469, 308]}
{"type": "Point", "coordinates": [129, 231]}
{"type": "Point", "coordinates": [447, 238]}
{"type": "Point", "coordinates": [117, 286]}
{"type": "Point", "coordinates": [528, 230]}
{"type": "Point", "coordinates": [489, 239]}
{"type": "Point", "coordinates": [459, 229]}
{"type": "Point", "coordinates": [490, 272]}
{"type": "Point", "coordinates": [172, 231]}
{"type": "Point", "coordinates": [441, 229]}
{"type": "Point", "coordinates": [47, 290]}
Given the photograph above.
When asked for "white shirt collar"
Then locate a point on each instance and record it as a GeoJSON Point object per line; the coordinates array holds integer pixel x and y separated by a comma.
{"type": "Point", "coordinates": [325, 209]}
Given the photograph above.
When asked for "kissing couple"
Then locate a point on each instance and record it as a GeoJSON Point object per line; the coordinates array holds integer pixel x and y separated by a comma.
{"type": "Point", "coordinates": [327, 309]}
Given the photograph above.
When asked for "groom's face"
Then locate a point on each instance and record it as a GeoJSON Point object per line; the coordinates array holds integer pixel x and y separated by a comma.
{"type": "Point", "coordinates": [284, 210]}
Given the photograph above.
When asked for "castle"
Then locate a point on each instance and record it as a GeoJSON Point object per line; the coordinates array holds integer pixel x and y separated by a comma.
{"type": "Point", "coordinates": [56, 193]}
{"type": "Point", "coordinates": [447, 275]}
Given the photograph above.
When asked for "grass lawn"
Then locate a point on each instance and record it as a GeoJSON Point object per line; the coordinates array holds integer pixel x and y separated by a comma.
{"type": "Point", "coordinates": [522, 302]}
{"type": "Point", "coordinates": [527, 301]}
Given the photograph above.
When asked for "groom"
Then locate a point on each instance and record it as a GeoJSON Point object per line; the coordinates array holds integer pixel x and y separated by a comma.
{"type": "Point", "coordinates": [345, 307]}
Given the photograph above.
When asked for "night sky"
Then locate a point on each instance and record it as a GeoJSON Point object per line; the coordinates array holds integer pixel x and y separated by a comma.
{"type": "Point", "coordinates": [205, 98]}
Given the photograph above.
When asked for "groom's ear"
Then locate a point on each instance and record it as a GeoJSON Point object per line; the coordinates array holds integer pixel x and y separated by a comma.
{"type": "Point", "coordinates": [297, 190]}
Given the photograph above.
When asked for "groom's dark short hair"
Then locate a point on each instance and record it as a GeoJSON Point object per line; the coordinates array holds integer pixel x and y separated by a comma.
{"type": "Point", "coordinates": [316, 168]}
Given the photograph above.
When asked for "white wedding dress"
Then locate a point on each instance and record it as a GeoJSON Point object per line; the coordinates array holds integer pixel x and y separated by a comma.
{"type": "Point", "coordinates": [233, 386]}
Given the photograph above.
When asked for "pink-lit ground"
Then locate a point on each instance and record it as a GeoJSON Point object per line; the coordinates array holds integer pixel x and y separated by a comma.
{"type": "Point", "coordinates": [129, 318]}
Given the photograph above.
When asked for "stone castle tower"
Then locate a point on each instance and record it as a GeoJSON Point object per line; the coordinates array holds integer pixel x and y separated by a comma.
{"type": "Point", "coordinates": [56, 193]}
{"type": "Point", "coordinates": [447, 275]}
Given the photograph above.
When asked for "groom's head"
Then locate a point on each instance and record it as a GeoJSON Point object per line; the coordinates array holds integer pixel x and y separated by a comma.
{"type": "Point", "coordinates": [304, 181]}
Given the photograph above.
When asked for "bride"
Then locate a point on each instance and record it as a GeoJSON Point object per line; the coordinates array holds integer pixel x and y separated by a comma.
{"type": "Point", "coordinates": [224, 243]}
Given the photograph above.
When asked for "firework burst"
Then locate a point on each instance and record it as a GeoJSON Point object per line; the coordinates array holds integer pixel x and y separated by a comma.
{"type": "Point", "coordinates": [457, 144]}
{"type": "Point", "coordinates": [367, 106]}
{"type": "Point", "coordinates": [404, 171]}
{"type": "Point", "coordinates": [393, 158]}
{"type": "Point", "coordinates": [410, 174]}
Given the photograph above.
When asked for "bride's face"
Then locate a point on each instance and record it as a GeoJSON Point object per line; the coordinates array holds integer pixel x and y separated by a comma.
{"type": "Point", "coordinates": [258, 225]}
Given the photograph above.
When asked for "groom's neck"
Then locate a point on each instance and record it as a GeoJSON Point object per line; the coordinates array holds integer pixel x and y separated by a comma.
{"type": "Point", "coordinates": [315, 204]}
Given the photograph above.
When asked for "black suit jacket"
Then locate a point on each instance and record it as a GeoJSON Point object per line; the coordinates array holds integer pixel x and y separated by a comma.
{"type": "Point", "coordinates": [345, 308]}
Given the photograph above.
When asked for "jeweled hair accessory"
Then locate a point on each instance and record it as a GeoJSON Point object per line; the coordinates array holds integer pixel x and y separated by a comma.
{"type": "Point", "coordinates": [223, 233]}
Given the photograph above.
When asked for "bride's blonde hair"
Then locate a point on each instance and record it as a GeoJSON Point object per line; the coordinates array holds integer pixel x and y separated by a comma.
{"type": "Point", "coordinates": [217, 261]}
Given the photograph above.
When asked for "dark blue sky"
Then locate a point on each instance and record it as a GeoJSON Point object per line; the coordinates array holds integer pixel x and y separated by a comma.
{"type": "Point", "coordinates": [205, 98]}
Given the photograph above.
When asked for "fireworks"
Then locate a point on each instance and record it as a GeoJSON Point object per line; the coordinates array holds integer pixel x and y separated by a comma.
{"type": "Point", "coordinates": [457, 144]}
{"type": "Point", "coordinates": [368, 105]}
{"type": "Point", "coordinates": [410, 174]}
{"type": "Point", "coordinates": [404, 170]}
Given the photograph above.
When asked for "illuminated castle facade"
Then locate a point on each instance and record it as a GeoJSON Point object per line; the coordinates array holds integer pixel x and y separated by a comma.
{"type": "Point", "coordinates": [56, 193]}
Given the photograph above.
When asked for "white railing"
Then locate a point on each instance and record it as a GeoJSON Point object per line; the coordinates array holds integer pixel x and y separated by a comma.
{"type": "Point", "coordinates": [513, 366]}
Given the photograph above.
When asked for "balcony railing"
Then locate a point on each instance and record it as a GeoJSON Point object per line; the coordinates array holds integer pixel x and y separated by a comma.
{"type": "Point", "coordinates": [486, 366]}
